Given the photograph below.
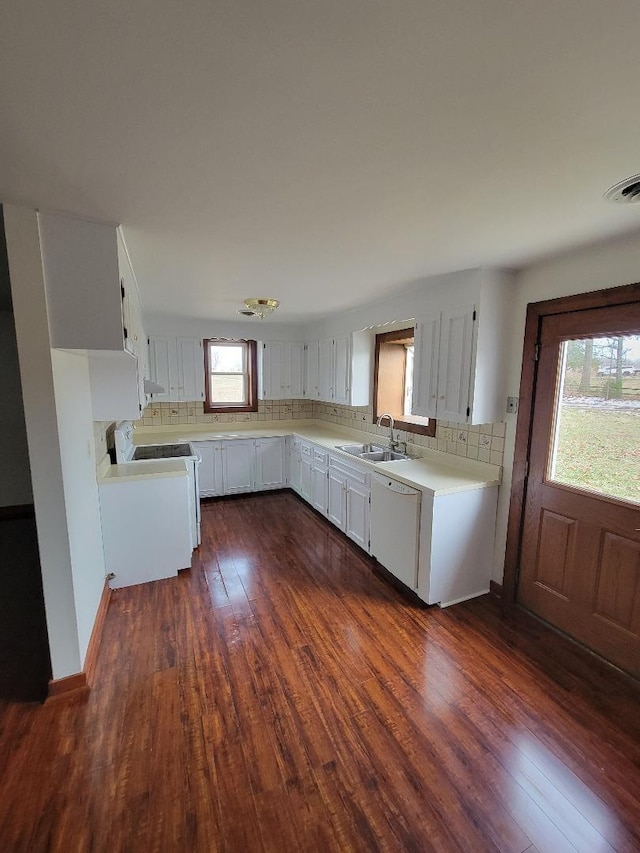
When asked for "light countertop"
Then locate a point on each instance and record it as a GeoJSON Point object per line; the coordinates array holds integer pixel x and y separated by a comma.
{"type": "Point", "coordinates": [436, 472]}
{"type": "Point", "coordinates": [146, 470]}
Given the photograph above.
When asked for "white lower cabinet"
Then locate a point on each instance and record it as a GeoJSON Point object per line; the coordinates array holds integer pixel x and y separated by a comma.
{"type": "Point", "coordinates": [456, 545]}
{"type": "Point", "coordinates": [306, 465]}
{"type": "Point", "coordinates": [319, 480]}
{"type": "Point", "coordinates": [237, 466]}
{"type": "Point", "coordinates": [270, 463]}
{"type": "Point", "coordinates": [336, 489]}
{"type": "Point", "coordinates": [234, 466]}
{"type": "Point", "coordinates": [348, 500]}
{"type": "Point", "coordinates": [294, 464]}
{"type": "Point", "coordinates": [357, 513]}
{"type": "Point", "coordinates": [210, 470]}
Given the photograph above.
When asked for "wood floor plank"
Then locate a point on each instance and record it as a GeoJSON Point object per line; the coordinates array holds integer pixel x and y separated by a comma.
{"type": "Point", "coordinates": [279, 696]}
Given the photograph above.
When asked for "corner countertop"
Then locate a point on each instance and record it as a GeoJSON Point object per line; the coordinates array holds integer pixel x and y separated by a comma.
{"type": "Point", "coordinates": [435, 472]}
{"type": "Point", "coordinates": [146, 470]}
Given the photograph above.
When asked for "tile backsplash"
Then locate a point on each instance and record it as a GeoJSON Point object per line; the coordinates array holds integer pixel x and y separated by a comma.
{"type": "Point", "coordinates": [484, 442]}
{"type": "Point", "coordinates": [165, 414]}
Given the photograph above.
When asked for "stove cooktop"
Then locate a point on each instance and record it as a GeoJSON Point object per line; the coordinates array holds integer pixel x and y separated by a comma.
{"type": "Point", "coordinates": [161, 451]}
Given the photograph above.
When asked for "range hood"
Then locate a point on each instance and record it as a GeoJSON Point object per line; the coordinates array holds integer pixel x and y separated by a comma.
{"type": "Point", "coordinates": [152, 387]}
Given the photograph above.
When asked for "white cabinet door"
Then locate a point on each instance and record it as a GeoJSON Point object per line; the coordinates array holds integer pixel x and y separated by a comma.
{"type": "Point", "coordinates": [115, 390]}
{"type": "Point", "coordinates": [325, 370]}
{"type": "Point", "coordinates": [336, 499]}
{"type": "Point", "coordinates": [454, 369]}
{"type": "Point", "coordinates": [312, 371]}
{"type": "Point", "coordinates": [294, 465]}
{"type": "Point", "coordinates": [319, 484]}
{"type": "Point", "coordinates": [442, 365]}
{"type": "Point", "coordinates": [270, 468]}
{"type": "Point", "coordinates": [237, 466]}
{"type": "Point", "coordinates": [190, 360]}
{"type": "Point", "coordinates": [178, 365]}
{"type": "Point", "coordinates": [341, 370]}
{"type": "Point", "coordinates": [296, 372]}
{"type": "Point", "coordinates": [163, 356]}
{"type": "Point", "coordinates": [357, 513]}
{"type": "Point", "coordinates": [281, 371]}
{"type": "Point", "coordinates": [306, 464]}
{"type": "Point", "coordinates": [271, 371]}
{"type": "Point", "coordinates": [425, 366]}
{"type": "Point", "coordinates": [210, 469]}
{"type": "Point", "coordinates": [82, 279]}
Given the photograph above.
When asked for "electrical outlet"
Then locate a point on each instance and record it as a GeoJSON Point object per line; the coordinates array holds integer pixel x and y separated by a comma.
{"type": "Point", "coordinates": [512, 405]}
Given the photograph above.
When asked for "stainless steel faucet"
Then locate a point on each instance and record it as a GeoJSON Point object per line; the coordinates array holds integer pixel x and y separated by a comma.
{"type": "Point", "coordinates": [392, 442]}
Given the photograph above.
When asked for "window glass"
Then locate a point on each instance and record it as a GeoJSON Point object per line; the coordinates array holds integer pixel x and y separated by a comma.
{"type": "Point", "coordinates": [596, 438]}
{"type": "Point", "coordinates": [231, 376]}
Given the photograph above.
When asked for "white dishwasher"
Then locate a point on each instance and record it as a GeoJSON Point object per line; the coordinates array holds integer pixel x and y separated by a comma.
{"type": "Point", "coordinates": [395, 527]}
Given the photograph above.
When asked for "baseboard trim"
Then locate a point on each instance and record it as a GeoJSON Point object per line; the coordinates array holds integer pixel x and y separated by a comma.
{"type": "Point", "coordinates": [68, 687]}
{"type": "Point", "coordinates": [80, 682]}
{"type": "Point", "coordinates": [18, 511]}
{"type": "Point", "coordinates": [495, 589]}
{"type": "Point", "coordinates": [95, 640]}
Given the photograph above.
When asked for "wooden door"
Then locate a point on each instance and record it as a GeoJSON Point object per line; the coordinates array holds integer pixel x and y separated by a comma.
{"type": "Point", "coordinates": [580, 557]}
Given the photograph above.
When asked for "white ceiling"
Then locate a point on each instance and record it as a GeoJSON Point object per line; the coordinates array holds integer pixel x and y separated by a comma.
{"type": "Point", "coordinates": [321, 151]}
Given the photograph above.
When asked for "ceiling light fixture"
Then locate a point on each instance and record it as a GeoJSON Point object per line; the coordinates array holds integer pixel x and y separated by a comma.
{"type": "Point", "coordinates": [625, 192]}
{"type": "Point", "coordinates": [259, 307]}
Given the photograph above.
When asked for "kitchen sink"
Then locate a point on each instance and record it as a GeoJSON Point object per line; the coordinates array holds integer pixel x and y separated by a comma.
{"type": "Point", "coordinates": [372, 452]}
{"type": "Point", "coordinates": [358, 449]}
{"type": "Point", "coordinates": [382, 456]}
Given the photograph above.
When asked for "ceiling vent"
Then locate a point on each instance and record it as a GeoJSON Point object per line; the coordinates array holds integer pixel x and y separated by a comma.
{"type": "Point", "coordinates": [625, 192]}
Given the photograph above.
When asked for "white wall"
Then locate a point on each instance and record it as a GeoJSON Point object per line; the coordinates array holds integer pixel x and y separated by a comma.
{"type": "Point", "coordinates": [15, 483]}
{"type": "Point", "coordinates": [77, 453]}
{"type": "Point", "coordinates": [32, 333]}
{"type": "Point", "coordinates": [161, 325]}
{"type": "Point", "coordinates": [425, 296]}
{"type": "Point", "coordinates": [607, 264]}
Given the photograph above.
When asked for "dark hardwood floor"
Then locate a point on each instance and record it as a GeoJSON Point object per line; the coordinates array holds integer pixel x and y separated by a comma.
{"type": "Point", "coordinates": [279, 696]}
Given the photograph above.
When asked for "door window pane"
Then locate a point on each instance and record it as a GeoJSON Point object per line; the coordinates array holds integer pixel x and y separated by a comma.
{"type": "Point", "coordinates": [596, 436]}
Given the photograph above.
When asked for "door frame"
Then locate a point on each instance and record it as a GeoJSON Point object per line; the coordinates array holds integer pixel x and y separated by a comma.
{"type": "Point", "coordinates": [536, 312]}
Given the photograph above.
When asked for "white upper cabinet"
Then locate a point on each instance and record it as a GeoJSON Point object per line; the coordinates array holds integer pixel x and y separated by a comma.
{"type": "Point", "coordinates": [90, 284]}
{"type": "Point", "coordinates": [338, 369]}
{"type": "Point", "coordinates": [178, 365]}
{"type": "Point", "coordinates": [94, 305]}
{"type": "Point", "coordinates": [312, 371]}
{"type": "Point", "coordinates": [442, 366]}
{"type": "Point", "coordinates": [459, 365]}
{"type": "Point", "coordinates": [281, 370]}
{"type": "Point", "coordinates": [325, 369]}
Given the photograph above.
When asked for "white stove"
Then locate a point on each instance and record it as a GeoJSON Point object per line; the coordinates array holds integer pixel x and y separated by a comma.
{"type": "Point", "coordinates": [127, 451]}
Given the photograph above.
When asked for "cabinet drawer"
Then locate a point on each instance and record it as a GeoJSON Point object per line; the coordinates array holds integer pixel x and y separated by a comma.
{"type": "Point", "coordinates": [357, 474]}
{"type": "Point", "coordinates": [320, 457]}
{"type": "Point", "coordinates": [305, 450]}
